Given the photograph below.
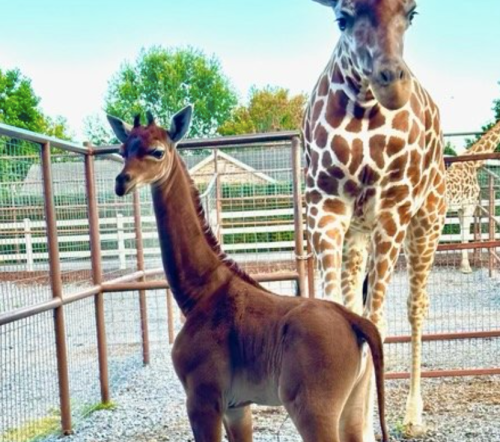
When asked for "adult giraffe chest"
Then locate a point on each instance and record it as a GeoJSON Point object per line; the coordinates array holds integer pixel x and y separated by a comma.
{"type": "Point", "coordinates": [368, 157]}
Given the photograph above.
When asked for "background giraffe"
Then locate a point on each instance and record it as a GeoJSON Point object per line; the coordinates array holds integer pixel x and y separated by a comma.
{"type": "Point", "coordinates": [375, 176]}
{"type": "Point", "coordinates": [462, 186]}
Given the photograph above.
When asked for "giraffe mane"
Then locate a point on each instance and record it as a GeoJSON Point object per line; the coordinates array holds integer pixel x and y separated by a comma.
{"type": "Point", "coordinates": [210, 236]}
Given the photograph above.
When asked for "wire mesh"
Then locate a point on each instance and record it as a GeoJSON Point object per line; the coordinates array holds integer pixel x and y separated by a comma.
{"type": "Point", "coordinates": [247, 197]}
{"type": "Point", "coordinates": [28, 377]}
{"type": "Point", "coordinates": [123, 333]}
{"type": "Point", "coordinates": [83, 368]}
{"type": "Point", "coordinates": [23, 240]}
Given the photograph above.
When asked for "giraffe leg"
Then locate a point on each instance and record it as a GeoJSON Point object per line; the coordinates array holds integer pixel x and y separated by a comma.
{"type": "Point", "coordinates": [465, 215]}
{"type": "Point", "coordinates": [238, 424]}
{"type": "Point", "coordinates": [327, 231]}
{"type": "Point", "coordinates": [354, 257]}
{"type": "Point", "coordinates": [420, 246]}
{"type": "Point", "coordinates": [384, 251]}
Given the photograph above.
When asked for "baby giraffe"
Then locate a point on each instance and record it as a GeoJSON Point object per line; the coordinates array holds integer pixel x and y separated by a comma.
{"type": "Point", "coordinates": [241, 344]}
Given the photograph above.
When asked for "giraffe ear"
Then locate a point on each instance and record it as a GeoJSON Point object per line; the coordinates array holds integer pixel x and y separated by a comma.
{"type": "Point", "coordinates": [120, 128]}
{"type": "Point", "coordinates": [331, 3]}
{"type": "Point", "coordinates": [180, 124]}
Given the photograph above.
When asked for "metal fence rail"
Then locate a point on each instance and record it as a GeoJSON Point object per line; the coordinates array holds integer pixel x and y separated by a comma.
{"type": "Point", "coordinates": [72, 331]}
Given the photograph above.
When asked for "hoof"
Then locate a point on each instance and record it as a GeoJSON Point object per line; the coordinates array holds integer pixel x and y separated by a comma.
{"type": "Point", "coordinates": [466, 270]}
{"type": "Point", "coordinates": [413, 431]}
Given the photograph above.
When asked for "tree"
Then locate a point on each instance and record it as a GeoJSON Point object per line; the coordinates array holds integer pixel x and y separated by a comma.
{"type": "Point", "coordinates": [18, 102]}
{"type": "Point", "coordinates": [270, 109]}
{"type": "Point", "coordinates": [98, 131]}
{"type": "Point", "coordinates": [19, 106]}
{"type": "Point", "coordinates": [449, 149]}
{"type": "Point", "coordinates": [488, 126]}
{"type": "Point", "coordinates": [165, 80]}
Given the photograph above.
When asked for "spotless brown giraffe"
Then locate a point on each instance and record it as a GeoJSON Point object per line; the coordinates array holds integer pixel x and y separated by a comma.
{"type": "Point", "coordinates": [375, 175]}
{"type": "Point", "coordinates": [241, 344]}
{"type": "Point", "coordinates": [462, 186]}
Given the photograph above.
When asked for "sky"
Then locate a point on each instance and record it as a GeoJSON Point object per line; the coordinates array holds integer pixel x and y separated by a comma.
{"type": "Point", "coordinates": [70, 49]}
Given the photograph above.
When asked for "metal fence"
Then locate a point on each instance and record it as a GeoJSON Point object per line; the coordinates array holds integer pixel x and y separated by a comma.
{"type": "Point", "coordinates": [83, 300]}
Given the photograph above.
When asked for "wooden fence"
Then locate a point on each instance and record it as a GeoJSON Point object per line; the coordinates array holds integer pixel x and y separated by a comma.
{"type": "Point", "coordinates": [118, 233]}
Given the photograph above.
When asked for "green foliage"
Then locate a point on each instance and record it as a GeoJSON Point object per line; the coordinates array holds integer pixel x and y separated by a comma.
{"type": "Point", "coordinates": [488, 126]}
{"type": "Point", "coordinates": [19, 106]}
{"type": "Point", "coordinates": [33, 430]}
{"type": "Point", "coordinates": [18, 102]}
{"type": "Point", "coordinates": [90, 409]}
{"type": "Point", "coordinates": [270, 109]}
{"type": "Point", "coordinates": [449, 150]}
{"type": "Point", "coordinates": [165, 80]}
{"type": "Point", "coordinates": [97, 131]}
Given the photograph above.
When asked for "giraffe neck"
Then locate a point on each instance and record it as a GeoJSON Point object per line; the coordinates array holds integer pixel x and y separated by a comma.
{"type": "Point", "coordinates": [488, 142]}
{"type": "Point", "coordinates": [192, 259]}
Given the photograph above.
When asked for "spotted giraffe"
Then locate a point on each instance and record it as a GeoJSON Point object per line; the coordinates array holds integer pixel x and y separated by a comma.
{"type": "Point", "coordinates": [462, 186]}
{"type": "Point", "coordinates": [375, 175]}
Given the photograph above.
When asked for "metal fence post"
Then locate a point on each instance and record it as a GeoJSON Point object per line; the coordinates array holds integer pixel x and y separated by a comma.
{"type": "Point", "coordinates": [310, 269]}
{"type": "Point", "coordinates": [120, 233]}
{"type": "Point", "coordinates": [139, 244]}
{"type": "Point", "coordinates": [298, 215]}
{"type": "Point", "coordinates": [56, 286]}
{"type": "Point", "coordinates": [29, 244]}
{"type": "Point", "coordinates": [218, 195]}
{"type": "Point", "coordinates": [95, 250]}
{"type": "Point", "coordinates": [491, 223]}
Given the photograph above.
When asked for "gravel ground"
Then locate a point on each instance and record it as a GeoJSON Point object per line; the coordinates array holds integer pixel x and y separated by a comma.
{"type": "Point", "coordinates": [150, 408]}
{"type": "Point", "coordinates": [150, 404]}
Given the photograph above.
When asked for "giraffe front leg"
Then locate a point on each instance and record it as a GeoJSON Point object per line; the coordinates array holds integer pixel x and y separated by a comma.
{"type": "Point", "coordinates": [355, 252]}
{"type": "Point", "coordinates": [420, 247]}
{"type": "Point", "coordinates": [327, 223]}
{"type": "Point", "coordinates": [465, 216]}
{"type": "Point", "coordinates": [386, 240]}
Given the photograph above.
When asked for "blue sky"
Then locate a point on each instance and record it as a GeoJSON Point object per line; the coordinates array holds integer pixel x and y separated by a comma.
{"type": "Point", "coordinates": [71, 48]}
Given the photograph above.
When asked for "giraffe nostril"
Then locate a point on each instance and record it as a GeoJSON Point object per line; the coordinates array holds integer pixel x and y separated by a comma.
{"type": "Point", "coordinates": [123, 178]}
{"type": "Point", "coordinates": [386, 76]}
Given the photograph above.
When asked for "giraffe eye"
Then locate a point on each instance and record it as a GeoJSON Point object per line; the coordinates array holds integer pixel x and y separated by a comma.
{"type": "Point", "coordinates": [344, 21]}
{"type": "Point", "coordinates": [411, 16]}
{"type": "Point", "coordinates": [157, 153]}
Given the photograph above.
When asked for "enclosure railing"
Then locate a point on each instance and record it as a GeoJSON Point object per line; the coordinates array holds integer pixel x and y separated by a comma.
{"type": "Point", "coordinates": [98, 285]}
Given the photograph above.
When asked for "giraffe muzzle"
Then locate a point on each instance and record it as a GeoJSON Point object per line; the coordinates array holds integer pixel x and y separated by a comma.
{"type": "Point", "coordinates": [123, 184]}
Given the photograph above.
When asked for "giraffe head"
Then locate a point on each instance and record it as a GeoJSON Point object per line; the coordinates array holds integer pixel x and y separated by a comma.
{"type": "Point", "coordinates": [373, 39]}
{"type": "Point", "coordinates": [148, 151]}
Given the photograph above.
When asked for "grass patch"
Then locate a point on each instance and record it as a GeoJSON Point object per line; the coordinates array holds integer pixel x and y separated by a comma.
{"type": "Point", "coordinates": [33, 430]}
{"type": "Point", "coordinates": [89, 409]}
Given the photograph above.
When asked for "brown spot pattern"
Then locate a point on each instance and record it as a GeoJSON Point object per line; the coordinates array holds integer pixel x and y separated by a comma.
{"type": "Point", "coordinates": [341, 148]}
{"type": "Point", "coordinates": [328, 184]}
{"type": "Point", "coordinates": [377, 146]}
{"type": "Point", "coordinates": [334, 206]}
{"type": "Point", "coordinates": [357, 156]}
{"type": "Point", "coordinates": [327, 159]}
{"type": "Point", "coordinates": [395, 145]}
{"type": "Point", "coordinates": [376, 118]}
{"type": "Point", "coordinates": [367, 176]}
{"type": "Point", "coordinates": [401, 121]}
{"type": "Point", "coordinates": [336, 108]}
{"type": "Point", "coordinates": [337, 76]}
{"type": "Point", "coordinates": [323, 86]}
{"type": "Point", "coordinates": [320, 136]}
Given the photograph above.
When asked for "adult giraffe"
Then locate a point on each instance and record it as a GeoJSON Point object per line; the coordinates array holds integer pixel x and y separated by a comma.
{"type": "Point", "coordinates": [463, 190]}
{"type": "Point", "coordinates": [375, 176]}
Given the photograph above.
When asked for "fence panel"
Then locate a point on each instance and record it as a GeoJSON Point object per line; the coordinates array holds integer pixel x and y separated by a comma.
{"type": "Point", "coordinates": [247, 196]}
